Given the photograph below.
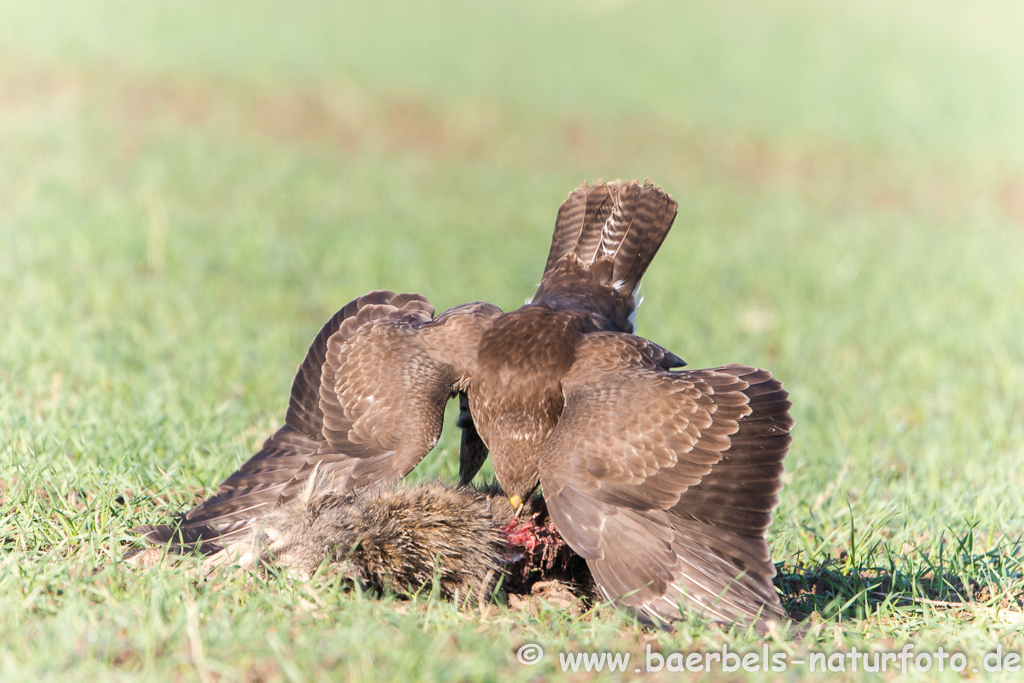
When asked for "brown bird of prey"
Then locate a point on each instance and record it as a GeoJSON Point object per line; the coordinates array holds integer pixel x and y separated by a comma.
{"type": "Point", "coordinates": [663, 479]}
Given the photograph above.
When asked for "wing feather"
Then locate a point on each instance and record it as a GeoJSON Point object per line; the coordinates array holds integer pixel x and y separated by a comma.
{"type": "Point", "coordinates": [367, 404]}
{"type": "Point", "coordinates": [665, 481]}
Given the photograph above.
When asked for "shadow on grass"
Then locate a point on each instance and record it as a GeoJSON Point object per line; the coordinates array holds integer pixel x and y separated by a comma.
{"type": "Point", "coordinates": [837, 589]}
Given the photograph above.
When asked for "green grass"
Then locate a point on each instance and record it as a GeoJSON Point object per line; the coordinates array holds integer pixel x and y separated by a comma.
{"type": "Point", "coordinates": [188, 190]}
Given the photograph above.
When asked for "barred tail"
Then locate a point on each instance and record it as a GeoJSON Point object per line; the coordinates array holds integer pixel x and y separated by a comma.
{"type": "Point", "coordinates": [605, 237]}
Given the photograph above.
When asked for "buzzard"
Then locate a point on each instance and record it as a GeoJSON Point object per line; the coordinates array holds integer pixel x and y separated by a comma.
{"type": "Point", "coordinates": [662, 479]}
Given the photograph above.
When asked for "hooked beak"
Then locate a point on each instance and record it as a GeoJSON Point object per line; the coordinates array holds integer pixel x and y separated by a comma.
{"type": "Point", "coordinates": [517, 505]}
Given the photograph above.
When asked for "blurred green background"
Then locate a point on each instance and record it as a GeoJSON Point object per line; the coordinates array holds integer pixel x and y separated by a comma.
{"type": "Point", "coordinates": [188, 190]}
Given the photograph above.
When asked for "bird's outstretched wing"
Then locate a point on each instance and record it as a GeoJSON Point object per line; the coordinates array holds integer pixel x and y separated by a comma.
{"type": "Point", "coordinates": [367, 403]}
{"type": "Point", "coordinates": [664, 481]}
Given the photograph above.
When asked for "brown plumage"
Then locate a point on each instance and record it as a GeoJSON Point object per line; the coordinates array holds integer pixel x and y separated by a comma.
{"type": "Point", "coordinates": [662, 479]}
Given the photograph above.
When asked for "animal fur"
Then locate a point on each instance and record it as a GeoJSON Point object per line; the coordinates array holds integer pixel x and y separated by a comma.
{"type": "Point", "coordinates": [404, 538]}
{"type": "Point", "coordinates": [389, 539]}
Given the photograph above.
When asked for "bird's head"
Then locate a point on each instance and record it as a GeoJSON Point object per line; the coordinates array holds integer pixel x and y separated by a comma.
{"type": "Point", "coordinates": [516, 438]}
{"type": "Point", "coordinates": [518, 485]}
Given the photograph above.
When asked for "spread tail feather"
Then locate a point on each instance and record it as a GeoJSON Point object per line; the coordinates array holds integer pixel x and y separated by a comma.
{"type": "Point", "coordinates": [605, 237]}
